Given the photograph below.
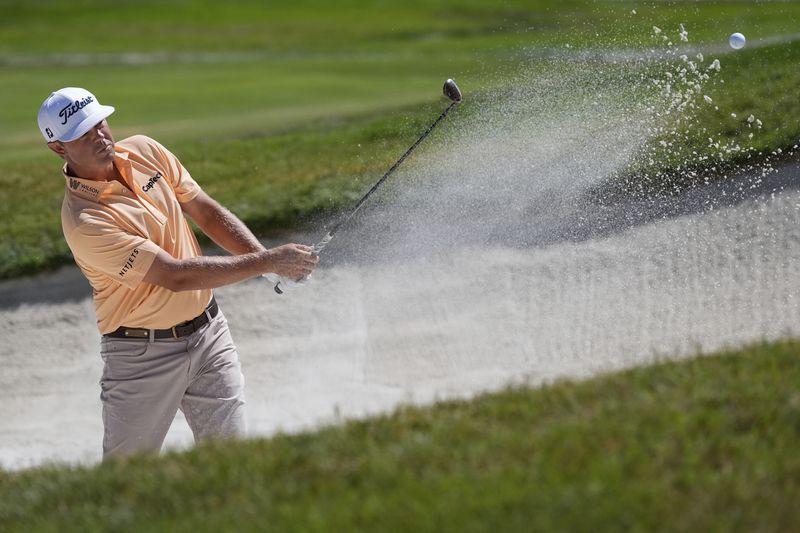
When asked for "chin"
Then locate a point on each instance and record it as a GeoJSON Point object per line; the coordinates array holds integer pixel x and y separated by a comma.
{"type": "Point", "coordinates": [107, 157]}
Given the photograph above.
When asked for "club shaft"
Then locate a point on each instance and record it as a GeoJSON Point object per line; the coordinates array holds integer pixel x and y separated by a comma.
{"type": "Point", "coordinates": [320, 245]}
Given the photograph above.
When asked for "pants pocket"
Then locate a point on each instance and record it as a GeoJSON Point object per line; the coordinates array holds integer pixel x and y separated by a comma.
{"type": "Point", "coordinates": [122, 347]}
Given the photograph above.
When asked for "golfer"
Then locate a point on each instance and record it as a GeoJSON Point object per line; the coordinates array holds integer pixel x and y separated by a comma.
{"type": "Point", "coordinates": [165, 341]}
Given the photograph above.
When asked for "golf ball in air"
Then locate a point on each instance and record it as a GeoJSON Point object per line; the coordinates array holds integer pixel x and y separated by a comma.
{"type": "Point", "coordinates": [736, 40]}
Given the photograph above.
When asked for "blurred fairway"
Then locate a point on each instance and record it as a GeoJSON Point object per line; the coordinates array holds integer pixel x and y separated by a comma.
{"type": "Point", "coordinates": [338, 89]}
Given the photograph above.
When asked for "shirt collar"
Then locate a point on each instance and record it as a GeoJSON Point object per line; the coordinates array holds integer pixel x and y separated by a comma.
{"type": "Point", "coordinates": [91, 189]}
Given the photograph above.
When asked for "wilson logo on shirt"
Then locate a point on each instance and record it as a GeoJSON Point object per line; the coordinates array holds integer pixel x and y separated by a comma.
{"type": "Point", "coordinates": [76, 185]}
{"type": "Point", "coordinates": [152, 182]}
{"type": "Point", "coordinates": [129, 263]}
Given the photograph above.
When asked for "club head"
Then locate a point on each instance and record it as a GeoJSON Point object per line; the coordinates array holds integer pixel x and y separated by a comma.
{"type": "Point", "coordinates": [451, 91]}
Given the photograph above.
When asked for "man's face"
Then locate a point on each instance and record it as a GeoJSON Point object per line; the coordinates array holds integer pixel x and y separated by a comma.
{"type": "Point", "coordinates": [94, 149]}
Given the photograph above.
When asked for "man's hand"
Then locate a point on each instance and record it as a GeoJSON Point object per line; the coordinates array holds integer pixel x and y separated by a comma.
{"type": "Point", "coordinates": [293, 261]}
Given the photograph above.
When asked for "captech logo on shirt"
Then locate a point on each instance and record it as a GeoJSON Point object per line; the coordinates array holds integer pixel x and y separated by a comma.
{"type": "Point", "coordinates": [151, 182]}
{"type": "Point", "coordinates": [73, 108]}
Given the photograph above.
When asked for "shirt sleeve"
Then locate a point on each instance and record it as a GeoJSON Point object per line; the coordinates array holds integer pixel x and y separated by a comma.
{"type": "Point", "coordinates": [104, 247]}
{"type": "Point", "coordinates": [185, 187]}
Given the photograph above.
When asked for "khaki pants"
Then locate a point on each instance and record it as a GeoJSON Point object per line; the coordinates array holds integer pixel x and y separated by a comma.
{"type": "Point", "coordinates": [145, 383]}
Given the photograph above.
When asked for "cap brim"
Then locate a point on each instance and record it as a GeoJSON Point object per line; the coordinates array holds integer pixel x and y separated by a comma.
{"type": "Point", "coordinates": [103, 112]}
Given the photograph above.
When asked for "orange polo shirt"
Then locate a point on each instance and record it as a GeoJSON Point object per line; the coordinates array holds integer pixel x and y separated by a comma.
{"type": "Point", "coordinates": [115, 232]}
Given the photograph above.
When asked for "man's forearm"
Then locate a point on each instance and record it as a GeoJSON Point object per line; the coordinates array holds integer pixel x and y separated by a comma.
{"type": "Point", "coordinates": [225, 229]}
{"type": "Point", "coordinates": [208, 272]}
{"type": "Point", "coordinates": [222, 226]}
{"type": "Point", "coordinates": [293, 261]}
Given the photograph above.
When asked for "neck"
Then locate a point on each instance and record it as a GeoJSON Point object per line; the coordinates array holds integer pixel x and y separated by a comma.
{"type": "Point", "coordinates": [106, 173]}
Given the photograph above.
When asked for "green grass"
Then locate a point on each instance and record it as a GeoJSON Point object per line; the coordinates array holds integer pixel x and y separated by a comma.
{"type": "Point", "coordinates": [296, 87]}
{"type": "Point", "coordinates": [706, 444]}
{"type": "Point", "coordinates": [755, 82]}
{"type": "Point", "coordinates": [90, 26]}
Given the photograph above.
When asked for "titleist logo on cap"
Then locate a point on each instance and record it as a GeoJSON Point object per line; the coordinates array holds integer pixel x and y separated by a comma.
{"type": "Point", "coordinates": [69, 113]}
{"type": "Point", "coordinates": [73, 108]}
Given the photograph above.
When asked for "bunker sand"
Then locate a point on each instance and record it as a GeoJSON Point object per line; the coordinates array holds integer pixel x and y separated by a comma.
{"type": "Point", "coordinates": [362, 338]}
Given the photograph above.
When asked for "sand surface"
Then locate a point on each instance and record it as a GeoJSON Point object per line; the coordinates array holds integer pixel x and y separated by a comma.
{"type": "Point", "coordinates": [498, 254]}
{"type": "Point", "coordinates": [365, 336]}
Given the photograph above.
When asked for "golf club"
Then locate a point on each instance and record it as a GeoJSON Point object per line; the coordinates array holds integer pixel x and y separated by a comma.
{"type": "Point", "coordinates": [452, 92]}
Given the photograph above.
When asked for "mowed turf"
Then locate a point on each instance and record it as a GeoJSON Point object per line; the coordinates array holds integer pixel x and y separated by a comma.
{"type": "Point", "coordinates": [268, 102]}
{"type": "Point", "coordinates": [708, 444]}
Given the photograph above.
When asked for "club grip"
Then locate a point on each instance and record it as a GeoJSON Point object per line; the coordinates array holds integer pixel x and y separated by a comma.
{"type": "Point", "coordinates": [282, 285]}
{"type": "Point", "coordinates": [279, 283]}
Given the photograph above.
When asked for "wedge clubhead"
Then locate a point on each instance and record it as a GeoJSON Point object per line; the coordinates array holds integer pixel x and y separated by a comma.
{"type": "Point", "coordinates": [452, 91]}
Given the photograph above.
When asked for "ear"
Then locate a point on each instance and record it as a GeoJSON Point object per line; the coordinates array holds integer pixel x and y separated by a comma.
{"type": "Point", "coordinates": [58, 148]}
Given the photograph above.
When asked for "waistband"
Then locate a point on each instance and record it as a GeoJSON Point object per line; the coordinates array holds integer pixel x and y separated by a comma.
{"type": "Point", "coordinates": [178, 331]}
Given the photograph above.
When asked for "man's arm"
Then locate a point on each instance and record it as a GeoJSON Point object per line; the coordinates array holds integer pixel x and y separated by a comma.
{"type": "Point", "coordinates": [293, 261]}
{"type": "Point", "coordinates": [222, 226]}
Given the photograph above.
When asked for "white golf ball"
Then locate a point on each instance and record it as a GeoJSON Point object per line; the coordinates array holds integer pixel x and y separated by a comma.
{"type": "Point", "coordinates": [736, 40]}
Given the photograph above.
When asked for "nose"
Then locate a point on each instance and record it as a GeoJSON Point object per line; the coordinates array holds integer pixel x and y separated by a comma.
{"type": "Point", "coordinates": [96, 134]}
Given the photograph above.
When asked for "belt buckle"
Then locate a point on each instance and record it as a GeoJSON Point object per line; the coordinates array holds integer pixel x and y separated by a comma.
{"type": "Point", "coordinates": [136, 333]}
{"type": "Point", "coordinates": [175, 333]}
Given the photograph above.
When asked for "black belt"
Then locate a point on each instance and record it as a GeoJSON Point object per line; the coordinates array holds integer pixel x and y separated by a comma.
{"type": "Point", "coordinates": [184, 329]}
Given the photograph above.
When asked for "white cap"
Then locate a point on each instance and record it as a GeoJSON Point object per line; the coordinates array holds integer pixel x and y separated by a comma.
{"type": "Point", "coordinates": [69, 113]}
